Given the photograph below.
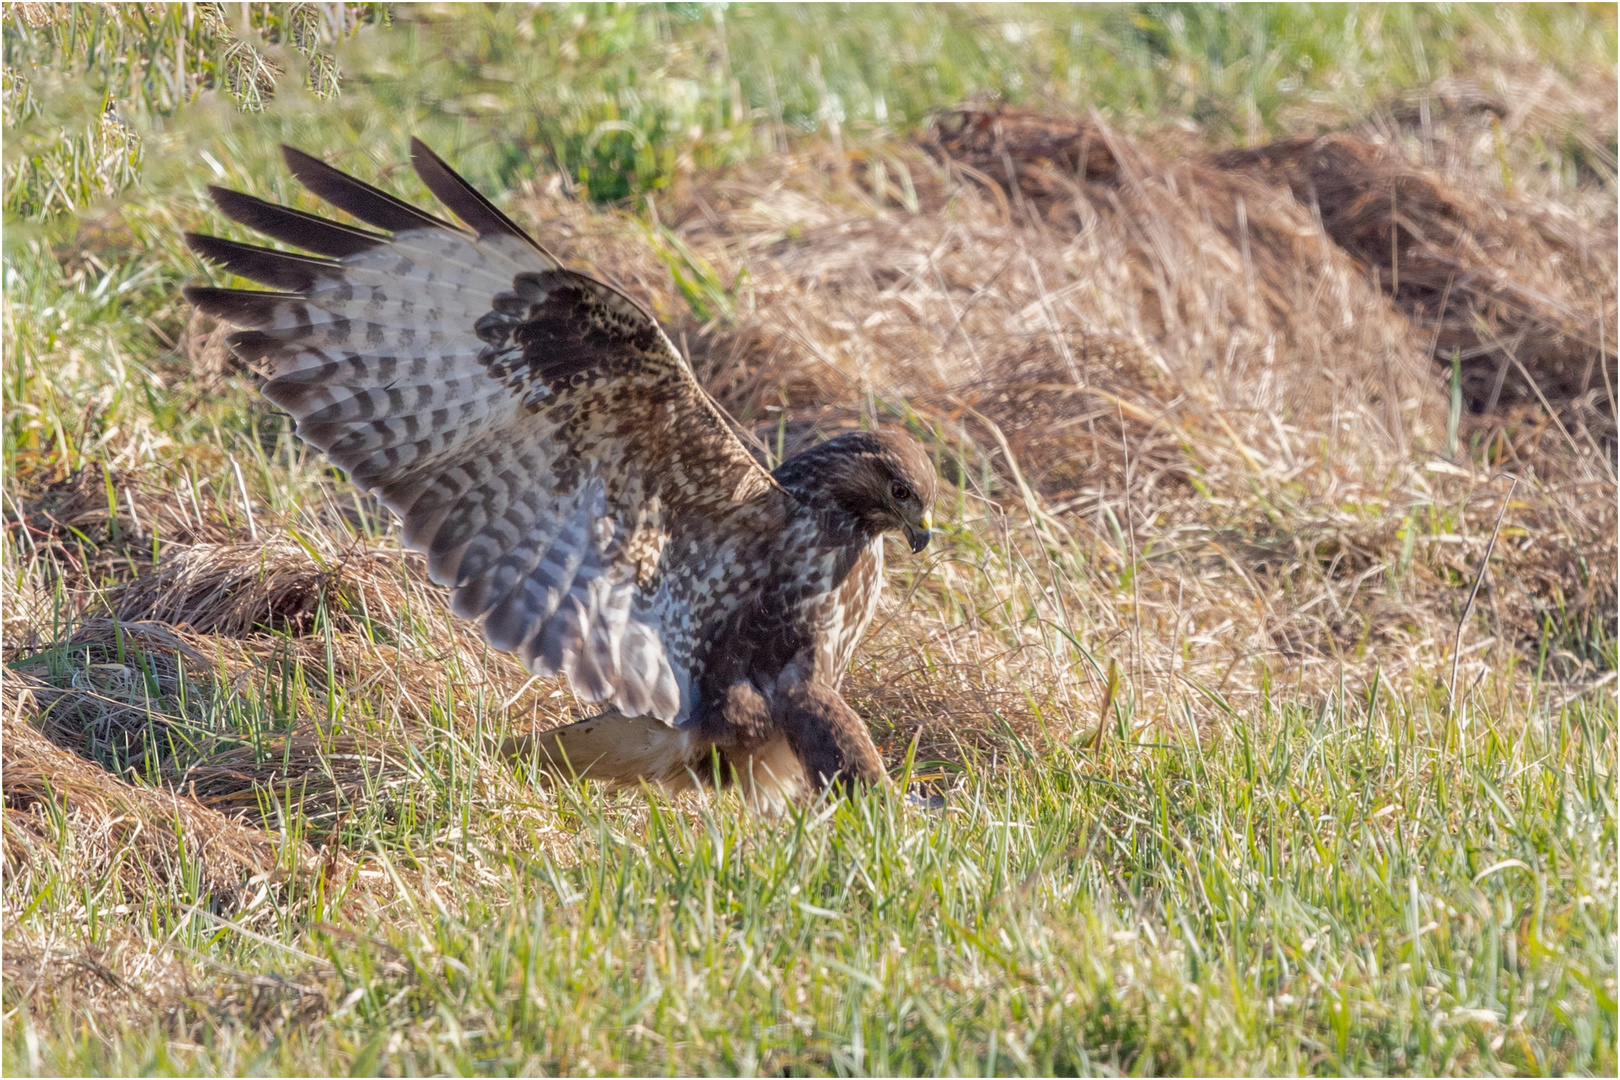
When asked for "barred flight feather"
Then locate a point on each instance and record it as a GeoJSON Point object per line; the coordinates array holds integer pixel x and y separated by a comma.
{"type": "Point", "coordinates": [538, 436]}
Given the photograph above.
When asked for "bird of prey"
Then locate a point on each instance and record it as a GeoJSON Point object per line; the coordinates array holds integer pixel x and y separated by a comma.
{"type": "Point", "coordinates": [551, 453]}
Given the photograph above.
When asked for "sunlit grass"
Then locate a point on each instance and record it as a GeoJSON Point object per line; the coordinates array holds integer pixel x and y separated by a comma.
{"type": "Point", "coordinates": [1360, 886]}
{"type": "Point", "coordinates": [1256, 877]}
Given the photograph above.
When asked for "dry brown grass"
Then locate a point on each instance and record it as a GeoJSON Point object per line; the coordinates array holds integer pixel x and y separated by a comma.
{"type": "Point", "coordinates": [124, 847]}
{"type": "Point", "coordinates": [281, 584]}
{"type": "Point", "coordinates": [134, 980]}
{"type": "Point", "coordinates": [147, 762]}
{"type": "Point", "coordinates": [1478, 277]}
{"type": "Point", "coordinates": [283, 627]}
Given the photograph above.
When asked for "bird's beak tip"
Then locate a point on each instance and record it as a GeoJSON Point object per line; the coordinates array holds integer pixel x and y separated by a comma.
{"type": "Point", "coordinates": [919, 538]}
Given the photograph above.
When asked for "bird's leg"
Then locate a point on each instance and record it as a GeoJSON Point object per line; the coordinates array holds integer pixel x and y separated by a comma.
{"type": "Point", "coordinates": [803, 739]}
{"type": "Point", "coordinates": [750, 752]}
{"type": "Point", "coordinates": [829, 738]}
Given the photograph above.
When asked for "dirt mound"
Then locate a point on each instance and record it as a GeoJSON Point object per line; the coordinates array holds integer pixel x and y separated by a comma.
{"type": "Point", "coordinates": [236, 589]}
{"type": "Point", "coordinates": [1474, 276]}
{"type": "Point", "coordinates": [1092, 316]}
{"type": "Point", "coordinates": [1184, 219]}
{"type": "Point", "coordinates": [1508, 289]}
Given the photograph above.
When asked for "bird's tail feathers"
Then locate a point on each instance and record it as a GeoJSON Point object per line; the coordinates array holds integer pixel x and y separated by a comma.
{"type": "Point", "coordinates": [621, 750]}
{"type": "Point", "coordinates": [624, 751]}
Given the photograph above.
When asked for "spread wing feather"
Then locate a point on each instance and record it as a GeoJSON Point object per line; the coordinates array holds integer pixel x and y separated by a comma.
{"type": "Point", "coordinates": [534, 430]}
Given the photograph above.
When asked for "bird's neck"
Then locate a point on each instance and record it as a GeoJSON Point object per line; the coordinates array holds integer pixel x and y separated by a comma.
{"type": "Point", "coordinates": [842, 512]}
{"type": "Point", "coordinates": [837, 524]}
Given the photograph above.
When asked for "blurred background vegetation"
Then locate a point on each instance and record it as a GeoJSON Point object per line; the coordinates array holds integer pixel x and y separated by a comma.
{"type": "Point", "coordinates": [620, 98]}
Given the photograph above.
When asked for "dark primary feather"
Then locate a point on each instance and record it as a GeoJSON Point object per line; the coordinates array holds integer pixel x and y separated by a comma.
{"type": "Point", "coordinates": [464, 200]}
{"type": "Point", "coordinates": [277, 269]}
{"type": "Point", "coordinates": [371, 205]}
{"type": "Point", "coordinates": [294, 227]}
{"type": "Point", "coordinates": [241, 307]}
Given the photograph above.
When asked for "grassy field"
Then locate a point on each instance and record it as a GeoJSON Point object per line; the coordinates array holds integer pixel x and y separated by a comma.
{"type": "Point", "coordinates": [1266, 663]}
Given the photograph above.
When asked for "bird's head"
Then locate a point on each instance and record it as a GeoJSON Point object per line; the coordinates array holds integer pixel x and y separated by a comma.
{"type": "Point", "coordinates": [882, 479]}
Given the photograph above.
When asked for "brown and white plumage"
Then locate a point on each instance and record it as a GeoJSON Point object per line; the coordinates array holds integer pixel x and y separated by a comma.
{"type": "Point", "coordinates": [547, 448]}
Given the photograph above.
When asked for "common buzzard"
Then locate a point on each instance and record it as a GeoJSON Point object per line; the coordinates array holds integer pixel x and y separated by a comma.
{"type": "Point", "coordinates": [551, 453]}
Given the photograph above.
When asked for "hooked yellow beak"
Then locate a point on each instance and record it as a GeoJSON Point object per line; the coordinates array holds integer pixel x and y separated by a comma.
{"type": "Point", "coordinates": [919, 534]}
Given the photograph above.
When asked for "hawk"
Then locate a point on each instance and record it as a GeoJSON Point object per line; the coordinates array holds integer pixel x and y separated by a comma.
{"type": "Point", "coordinates": [549, 451]}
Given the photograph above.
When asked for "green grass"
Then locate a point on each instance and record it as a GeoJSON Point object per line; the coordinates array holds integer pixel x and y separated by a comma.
{"type": "Point", "coordinates": [1358, 887]}
{"type": "Point", "coordinates": [1282, 881]}
{"type": "Point", "coordinates": [622, 97]}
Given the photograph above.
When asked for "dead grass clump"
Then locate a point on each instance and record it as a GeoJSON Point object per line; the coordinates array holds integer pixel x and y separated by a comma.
{"type": "Point", "coordinates": [207, 679]}
{"type": "Point", "coordinates": [1551, 593]}
{"type": "Point", "coordinates": [1185, 224]}
{"type": "Point", "coordinates": [93, 522]}
{"type": "Point", "coordinates": [1474, 276]}
{"type": "Point", "coordinates": [1514, 294]}
{"type": "Point", "coordinates": [201, 346]}
{"type": "Point", "coordinates": [1033, 157]}
{"type": "Point", "coordinates": [280, 584]}
{"type": "Point", "coordinates": [1516, 125]}
{"type": "Point", "coordinates": [131, 980]}
{"type": "Point", "coordinates": [70, 816]}
{"type": "Point", "coordinates": [1231, 289]}
{"type": "Point", "coordinates": [104, 507]}
{"type": "Point", "coordinates": [129, 696]}
{"type": "Point", "coordinates": [1204, 246]}
{"type": "Point", "coordinates": [955, 693]}
{"type": "Point", "coordinates": [99, 526]}
{"type": "Point", "coordinates": [279, 679]}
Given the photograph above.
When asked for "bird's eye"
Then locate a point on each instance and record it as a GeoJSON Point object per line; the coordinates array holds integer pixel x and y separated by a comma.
{"type": "Point", "coordinates": [900, 492]}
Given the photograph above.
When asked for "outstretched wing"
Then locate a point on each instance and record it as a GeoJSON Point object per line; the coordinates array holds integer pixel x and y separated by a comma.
{"type": "Point", "coordinates": [534, 430]}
